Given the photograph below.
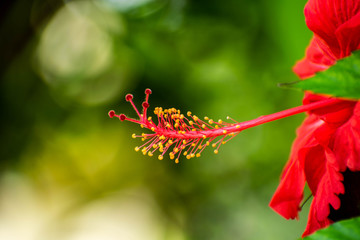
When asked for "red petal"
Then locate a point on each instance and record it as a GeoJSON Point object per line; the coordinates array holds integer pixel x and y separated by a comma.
{"type": "Point", "coordinates": [334, 114]}
{"type": "Point", "coordinates": [347, 142]}
{"type": "Point", "coordinates": [348, 35]}
{"type": "Point", "coordinates": [315, 60]}
{"type": "Point", "coordinates": [313, 223]}
{"type": "Point", "coordinates": [314, 167]}
{"type": "Point", "coordinates": [328, 189]}
{"type": "Point", "coordinates": [289, 193]}
{"type": "Point", "coordinates": [325, 181]}
{"type": "Point", "coordinates": [287, 198]}
{"type": "Point", "coordinates": [324, 17]}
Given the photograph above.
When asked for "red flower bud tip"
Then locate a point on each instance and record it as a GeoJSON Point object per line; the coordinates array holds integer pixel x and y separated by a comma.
{"type": "Point", "coordinates": [129, 97]}
{"type": "Point", "coordinates": [148, 91]}
{"type": "Point", "coordinates": [145, 105]}
{"type": "Point", "coordinates": [188, 135]}
{"type": "Point", "coordinates": [122, 117]}
{"type": "Point", "coordinates": [111, 113]}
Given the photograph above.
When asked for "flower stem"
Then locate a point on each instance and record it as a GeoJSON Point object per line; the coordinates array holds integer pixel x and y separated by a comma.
{"type": "Point", "coordinates": [289, 112]}
{"type": "Point", "coordinates": [238, 127]}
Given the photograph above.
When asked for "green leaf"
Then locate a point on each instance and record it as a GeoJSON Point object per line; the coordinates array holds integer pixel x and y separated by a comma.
{"type": "Point", "coordinates": [340, 80]}
{"type": "Point", "coordinates": [343, 230]}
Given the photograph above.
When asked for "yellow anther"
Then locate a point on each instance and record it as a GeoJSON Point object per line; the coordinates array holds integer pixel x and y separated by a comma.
{"type": "Point", "coordinates": [160, 157]}
{"type": "Point", "coordinates": [152, 129]}
{"type": "Point", "coordinates": [182, 116]}
{"type": "Point", "coordinates": [176, 125]}
{"type": "Point", "coordinates": [150, 154]}
{"type": "Point", "coordinates": [137, 149]}
{"type": "Point", "coordinates": [149, 118]}
{"type": "Point", "coordinates": [177, 160]}
{"type": "Point", "coordinates": [203, 126]}
{"type": "Point", "coordinates": [189, 113]}
{"type": "Point", "coordinates": [143, 134]}
{"type": "Point", "coordinates": [220, 121]}
{"type": "Point", "coordinates": [193, 144]}
{"type": "Point", "coordinates": [231, 134]}
{"type": "Point", "coordinates": [194, 130]}
{"type": "Point", "coordinates": [193, 155]}
{"type": "Point", "coordinates": [143, 149]}
{"type": "Point", "coordinates": [203, 136]}
{"type": "Point", "coordinates": [168, 125]}
{"type": "Point", "coordinates": [224, 131]}
{"type": "Point", "coordinates": [165, 111]}
{"type": "Point", "coordinates": [143, 139]}
{"type": "Point", "coordinates": [154, 146]}
{"type": "Point", "coordinates": [142, 126]}
{"type": "Point", "coordinates": [144, 153]}
{"type": "Point", "coordinates": [191, 122]}
{"type": "Point", "coordinates": [167, 145]}
{"type": "Point", "coordinates": [184, 141]}
{"type": "Point", "coordinates": [161, 150]}
{"type": "Point", "coordinates": [237, 126]}
{"type": "Point", "coordinates": [182, 147]}
{"type": "Point", "coordinates": [206, 118]}
{"type": "Point", "coordinates": [216, 126]}
{"type": "Point", "coordinates": [199, 147]}
{"type": "Point", "coordinates": [213, 145]}
{"type": "Point", "coordinates": [162, 137]}
{"type": "Point", "coordinates": [170, 142]}
{"type": "Point", "coordinates": [211, 121]}
{"type": "Point", "coordinates": [195, 118]}
{"type": "Point", "coordinates": [188, 156]}
{"type": "Point", "coordinates": [216, 151]}
{"type": "Point", "coordinates": [176, 150]}
{"type": "Point", "coordinates": [198, 155]}
{"type": "Point", "coordinates": [207, 143]}
{"type": "Point", "coordinates": [133, 135]}
{"type": "Point", "coordinates": [172, 157]}
{"type": "Point", "coordinates": [185, 153]}
{"type": "Point", "coordinates": [223, 142]}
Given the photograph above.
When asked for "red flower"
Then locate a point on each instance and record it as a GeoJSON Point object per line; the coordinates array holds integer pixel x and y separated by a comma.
{"type": "Point", "coordinates": [328, 141]}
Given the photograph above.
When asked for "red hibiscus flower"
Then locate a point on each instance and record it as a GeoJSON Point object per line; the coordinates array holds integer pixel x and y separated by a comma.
{"type": "Point", "coordinates": [328, 141]}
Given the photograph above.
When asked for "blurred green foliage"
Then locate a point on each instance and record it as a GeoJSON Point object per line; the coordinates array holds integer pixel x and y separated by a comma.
{"type": "Point", "coordinates": [70, 172]}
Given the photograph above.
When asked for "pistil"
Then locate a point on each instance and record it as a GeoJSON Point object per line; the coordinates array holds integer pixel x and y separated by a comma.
{"type": "Point", "coordinates": [178, 134]}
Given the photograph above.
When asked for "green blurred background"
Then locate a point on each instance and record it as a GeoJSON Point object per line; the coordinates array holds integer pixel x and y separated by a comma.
{"type": "Point", "coordinates": [68, 172]}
